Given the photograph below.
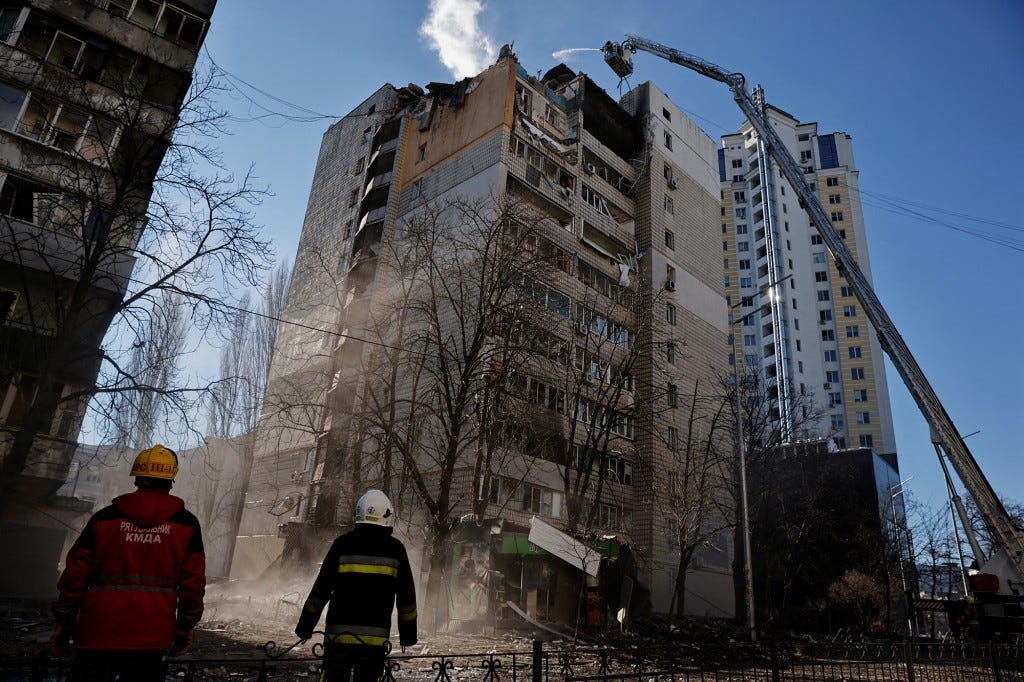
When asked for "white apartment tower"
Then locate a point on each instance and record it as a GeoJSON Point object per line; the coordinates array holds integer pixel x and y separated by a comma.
{"type": "Point", "coordinates": [796, 321]}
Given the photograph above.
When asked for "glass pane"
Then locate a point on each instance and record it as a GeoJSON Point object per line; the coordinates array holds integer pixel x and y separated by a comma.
{"type": "Point", "coordinates": [145, 13]}
{"type": "Point", "coordinates": [69, 129]}
{"type": "Point", "coordinates": [64, 51]}
{"type": "Point", "coordinates": [36, 121]}
{"type": "Point", "coordinates": [11, 100]}
{"type": "Point", "coordinates": [96, 145]}
{"type": "Point", "coordinates": [8, 19]}
{"type": "Point", "coordinates": [170, 23]}
{"type": "Point", "coordinates": [191, 31]}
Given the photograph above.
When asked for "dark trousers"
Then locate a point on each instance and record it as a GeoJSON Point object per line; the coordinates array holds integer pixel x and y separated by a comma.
{"type": "Point", "coordinates": [105, 665]}
{"type": "Point", "coordinates": [352, 663]}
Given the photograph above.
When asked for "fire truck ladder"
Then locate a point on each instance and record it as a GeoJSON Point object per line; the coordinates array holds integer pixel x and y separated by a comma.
{"type": "Point", "coordinates": [944, 433]}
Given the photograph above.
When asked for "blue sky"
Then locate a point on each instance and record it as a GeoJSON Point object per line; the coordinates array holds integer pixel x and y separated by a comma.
{"type": "Point", "coordinates": [930, 91]}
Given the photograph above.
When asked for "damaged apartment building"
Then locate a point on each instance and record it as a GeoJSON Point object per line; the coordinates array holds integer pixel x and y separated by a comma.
{"type": "Point", "coordinates": [90, 91]}
{"type": "Point", "coordinates": [627, 198]}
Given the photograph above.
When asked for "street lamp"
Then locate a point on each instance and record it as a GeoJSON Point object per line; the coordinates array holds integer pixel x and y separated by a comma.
{"type": "Point", "coordinates": [893, 494]}
{"type": "Point", "coordinates": [748, 578]}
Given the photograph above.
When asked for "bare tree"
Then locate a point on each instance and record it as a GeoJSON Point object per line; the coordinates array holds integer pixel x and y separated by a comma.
{"type": "Point", "coordinates": [858, 597]}
{"type": "Point", "coordinates": [137, 206]}
{"type": "Point", "coordinates": [154, 361]}
{"type": "Point", "coordinates": [600, 387]}
{"type": "Point", "coordinates": [219, 480]}
{"type": "Point", "coordinates": [753, 401]}
{"type": "Point", "coordinates": [236, 403]}
{"type": "Point", "coordinates": [701, 494]}
{"type": "Point", "coordinates": [438, 391]}
{"type": "Point", "coordinates": [1014, 509]}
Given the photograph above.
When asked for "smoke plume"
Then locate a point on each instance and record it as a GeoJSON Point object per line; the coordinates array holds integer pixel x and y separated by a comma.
{"type": "Point", "coordinates": [451, 29]}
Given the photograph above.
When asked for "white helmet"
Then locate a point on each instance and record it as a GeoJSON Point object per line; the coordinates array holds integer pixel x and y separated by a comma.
{"type": "Point", "coordinates": [375, 507]}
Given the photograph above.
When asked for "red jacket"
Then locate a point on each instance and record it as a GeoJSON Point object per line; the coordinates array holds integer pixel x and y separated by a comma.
{"type": "Point", "coordinates": [135, 574]}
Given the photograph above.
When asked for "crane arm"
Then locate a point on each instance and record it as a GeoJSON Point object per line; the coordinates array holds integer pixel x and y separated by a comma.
{"type": "Point", "coordinates": [944, 433]}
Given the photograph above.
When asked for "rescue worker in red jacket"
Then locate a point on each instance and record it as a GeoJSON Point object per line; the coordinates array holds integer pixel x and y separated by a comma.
{"type": "Point", "coordinates": [365, 572]}
{"type": "Point", "coordinates": [133, 583]}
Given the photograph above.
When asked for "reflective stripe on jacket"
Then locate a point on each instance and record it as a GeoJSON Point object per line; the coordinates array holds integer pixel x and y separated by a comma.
{"type": "Point", "coordinates": [365, 573]}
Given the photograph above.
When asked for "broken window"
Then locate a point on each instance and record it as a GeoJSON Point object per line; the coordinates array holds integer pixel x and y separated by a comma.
{"type": "Point", "coordinates": [65, 50]}
{"type": "Point", "coordinates": [551, 115]}
{"type": "Point", "coordinates": [32, 203]}
{"type": "Point", "coordinates": [608, 516]}
{"type": "Point", "coordinates": [35, 122]}
{"type": "Point", "coordinates": [11, 101]}
{"type": "Point", "coordinates": [524, 99]}
{"type": "Point", "coordinates": [620, 470]}
{"type": "Point", "coordinates": [18, 396]}
{"type": "Point", "coordinates": [9, 24]}
{"type": "Point", "coordinates": [180, 26]}
{"type": "Point", "coordinates": [68, 128]}
{"type": "Point", "coordinates": [145, 13]}
{"type": "Point", "coordinates": [8, 300]}
{"type": "Point", "coordinates": [595, 200]}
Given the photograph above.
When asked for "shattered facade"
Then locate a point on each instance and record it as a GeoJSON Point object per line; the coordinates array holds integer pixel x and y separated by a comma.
{"type": "Point", "coordinates": [627, 194]}
{"type": "Point", "coordinates": [68, 70]}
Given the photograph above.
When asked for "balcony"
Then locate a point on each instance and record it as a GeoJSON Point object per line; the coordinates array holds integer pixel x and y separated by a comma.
{"type": "Point", "coordinates": [62, 255]}
{"type": "Point", "coordinates": [372, 216]}
{"type": "Point", "coordinates": [362, 273]}
{"type": "Point", "coordinates": [559, 194]}
{"type": "Point", "coordinates": [132, 31]}
{"type": "Point", "coordinates": [381, 162]}
{"type": "Point", "coordinates": [387, 134]}
{"type": "Point", "coordinates": [380, 181]}
{"type": "Point", "coordinates": [368, 237]}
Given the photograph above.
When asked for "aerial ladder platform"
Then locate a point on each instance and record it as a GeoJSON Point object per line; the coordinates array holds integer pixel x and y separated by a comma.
{"type": "Point", "coordinates": [1007, 558]}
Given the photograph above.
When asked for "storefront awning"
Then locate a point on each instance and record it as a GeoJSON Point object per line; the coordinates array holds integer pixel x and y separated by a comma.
{"type": "Point", "coordinates": [567, 549]}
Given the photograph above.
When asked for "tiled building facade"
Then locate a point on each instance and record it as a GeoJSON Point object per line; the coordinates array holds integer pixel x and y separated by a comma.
{"type": "Point", "coordinates": [628, 198]}
{"type": "Point", "coordinates": [797, 323]}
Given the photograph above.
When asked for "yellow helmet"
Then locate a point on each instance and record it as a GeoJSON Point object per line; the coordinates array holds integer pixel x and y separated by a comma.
{"type": "Point", "coordinates": [156, 462]}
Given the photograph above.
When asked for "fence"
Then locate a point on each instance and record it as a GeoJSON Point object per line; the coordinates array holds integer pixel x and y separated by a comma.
{"type": "Point", "coordinates": [681, 662]}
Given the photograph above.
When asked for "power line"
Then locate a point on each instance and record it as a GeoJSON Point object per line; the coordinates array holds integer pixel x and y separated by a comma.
{"type": "Point", "coordinates": [263, 315]}
{"type": "Point", "coordinates": [897, 207]}
{"type": "Point", "coordinates": [235, 81]}
{"type": "Point", "coordinates": [938, 209]}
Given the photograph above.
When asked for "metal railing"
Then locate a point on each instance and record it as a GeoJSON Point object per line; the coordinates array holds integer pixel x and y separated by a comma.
{"type": "Point", "coordinates": [766, 662]}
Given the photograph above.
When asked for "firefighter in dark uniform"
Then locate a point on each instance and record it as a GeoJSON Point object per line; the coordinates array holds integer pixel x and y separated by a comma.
{"type": "Point", "coordinates": [133, 583]}
{"type": "Point", "coordinates": [366, 571]}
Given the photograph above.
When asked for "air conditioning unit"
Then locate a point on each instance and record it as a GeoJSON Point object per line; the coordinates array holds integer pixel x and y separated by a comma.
{"type": "Point", "coordinates": [670, 285]}
{"type": "Point", "coordinates": [566, 192]}
{"type": "Point", "coordinates": [582, 328]}
{"type": "Point", "coordinates": [298, 476]}
{"type": "Point", "coordinates": [827, 386]}
{"type": "Point", "coordinates": [672, 184]}
{"type": "Point", "coordinates": [588, 378]}
{"type": "Point", "coordinates": [590, 168]}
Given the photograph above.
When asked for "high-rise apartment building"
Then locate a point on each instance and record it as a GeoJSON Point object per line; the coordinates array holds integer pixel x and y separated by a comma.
{"type": "Point", "coordinates": [796, 322]}
{"type": "Point", "coordinates": [90, 91]}
{"type": "Point", "coordinates": [627, 199]}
